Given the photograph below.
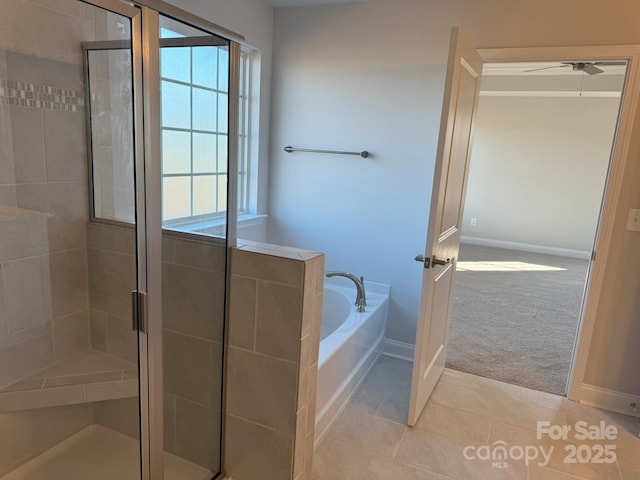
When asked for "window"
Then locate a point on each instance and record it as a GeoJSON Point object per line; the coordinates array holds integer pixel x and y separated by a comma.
{"type": "Point", "coordinates": [194, 82]}
{"type": "Point", "coordinates": [195, 130]}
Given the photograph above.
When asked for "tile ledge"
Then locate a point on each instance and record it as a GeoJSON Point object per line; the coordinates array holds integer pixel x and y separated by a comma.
{"type": "Point", "coordinates": [112, 380]}
{"type": "Point", "coordinates": [280, 251]}
{"type": "Point", "coordinates": [8, 214]}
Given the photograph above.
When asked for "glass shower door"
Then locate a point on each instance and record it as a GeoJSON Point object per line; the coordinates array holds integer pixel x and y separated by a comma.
{"type": "Point", "coordinates": [194, 124]}
{"type": "Point", "coordinates": [89, 387]}
{"type": "Point", "coordinates": [69, 357]}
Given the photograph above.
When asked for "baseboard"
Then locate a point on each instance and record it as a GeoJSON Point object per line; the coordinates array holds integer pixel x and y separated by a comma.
{"type": "Point", "coordinates": [610, 400]}
{"type": "Point", "coordinates": [400, 350]}
{"type": "Point", "coordinates": [526, 247]}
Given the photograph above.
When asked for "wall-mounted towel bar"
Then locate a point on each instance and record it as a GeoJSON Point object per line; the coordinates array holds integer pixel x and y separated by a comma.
{"type": "Point", "coordinates": [363, 154]}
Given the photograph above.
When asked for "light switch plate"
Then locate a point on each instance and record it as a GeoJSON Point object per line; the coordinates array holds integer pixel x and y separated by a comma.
{"type": "Point", "coordinates": [633, 221]}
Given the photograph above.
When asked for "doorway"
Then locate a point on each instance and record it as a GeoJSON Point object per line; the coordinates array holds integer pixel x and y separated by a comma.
{"type": "Point", "coordinates": [542, 145]}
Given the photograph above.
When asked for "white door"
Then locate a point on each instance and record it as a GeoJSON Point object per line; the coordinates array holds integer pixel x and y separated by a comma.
{"type": "Point", "coordinates": [464, 71]}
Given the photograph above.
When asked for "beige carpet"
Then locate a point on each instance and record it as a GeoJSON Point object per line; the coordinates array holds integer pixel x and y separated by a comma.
{"type": "Point", "coordinates": [515, 316]}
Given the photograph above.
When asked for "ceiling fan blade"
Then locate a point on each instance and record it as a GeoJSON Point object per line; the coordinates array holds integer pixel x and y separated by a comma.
{"type": "Point", "coordinates": [544, 68]}
{"type": "Point", "coordinates": [612, 63]}
{"type": "Point", "coordinates": [592, 69]}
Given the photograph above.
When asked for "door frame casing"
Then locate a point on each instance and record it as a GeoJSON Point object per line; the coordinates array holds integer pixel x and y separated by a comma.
{"type": "Point", "coordinates": [614, 182]}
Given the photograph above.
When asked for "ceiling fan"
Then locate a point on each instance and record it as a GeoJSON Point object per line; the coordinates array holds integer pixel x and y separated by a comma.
{"type": "Point", "coordinates": [588, 67]}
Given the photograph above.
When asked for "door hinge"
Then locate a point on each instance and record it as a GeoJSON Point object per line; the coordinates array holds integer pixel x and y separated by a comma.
{"type": "Point", "coordinates": [139, 311]}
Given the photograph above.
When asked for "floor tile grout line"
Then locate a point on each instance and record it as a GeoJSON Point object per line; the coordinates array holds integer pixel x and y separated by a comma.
{"type": "Point", "coordinates": [620, 475]}
{"type": "Point", "coordinates": [404, 432]}
{"type": "Point", "coordinates": [570, 475]}
{"type": "Point", "coordinates": [400, 462]}
{"type": "Point", "coordinates": [384, 399]}
{"type": "Point", "coordinates": [352, 401]}
{"type": "Point", "coordinates": [361, 447]}
{"type": "Point", "coordinates": [490, 431]}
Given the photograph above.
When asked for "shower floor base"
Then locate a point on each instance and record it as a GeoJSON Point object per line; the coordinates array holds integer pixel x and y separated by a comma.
{"type": "Point", "coordinates": [98, 453]}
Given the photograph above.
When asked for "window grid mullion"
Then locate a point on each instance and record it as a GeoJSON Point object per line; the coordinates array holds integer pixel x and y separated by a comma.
{"type": "Point", "coordinates": [195, 130]}
{"type": "Point", "coordinates": [202, 174]}
{"type": "Point", "coordinates": [217, 129]}
{"type": "Point", "coordinates": [191, 132]}
{"type": "Point", "coordinates": [192, 85]}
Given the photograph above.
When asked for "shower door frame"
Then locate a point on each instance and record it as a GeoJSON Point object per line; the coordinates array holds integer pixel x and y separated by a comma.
{"type": "Point", "coordinates": [145, 47]}
{"type": "Point", "coordinates": [141, 225]}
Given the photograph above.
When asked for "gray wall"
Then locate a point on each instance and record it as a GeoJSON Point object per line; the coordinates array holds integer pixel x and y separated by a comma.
{"type": "Point", "coordinates": [350, 77]}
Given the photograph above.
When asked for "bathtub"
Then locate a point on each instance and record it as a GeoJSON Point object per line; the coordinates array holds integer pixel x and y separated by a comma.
{"type": "Point", "coordinates": [349, 344]}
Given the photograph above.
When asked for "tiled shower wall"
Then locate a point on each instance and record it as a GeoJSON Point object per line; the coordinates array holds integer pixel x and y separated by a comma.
{"type": "Point", "coordinates": [194, 273]}
{"type": "Point", "coordinates": [43, 201]}
{"type": "Point", "coordinates": [193, 310]}
{"type": "Point", "coordinates": [44, 162]}
{"type": "Point", "coordinates": [112, 277]}
{"type": "Point", "coordinates": [274, 335]}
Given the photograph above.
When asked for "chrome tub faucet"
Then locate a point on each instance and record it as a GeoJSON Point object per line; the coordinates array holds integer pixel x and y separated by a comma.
{"type": "Point", "coordinates": [361, 299]}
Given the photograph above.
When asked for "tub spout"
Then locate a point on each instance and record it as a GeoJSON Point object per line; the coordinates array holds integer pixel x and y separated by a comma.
{"type": "Point", "coordinates": [361, 299]}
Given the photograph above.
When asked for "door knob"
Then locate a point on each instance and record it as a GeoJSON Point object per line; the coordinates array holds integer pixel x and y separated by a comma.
{"type": "Point", "coordinates": [435, 261]}
{"type": "Point", "coordinates": [428, 262]}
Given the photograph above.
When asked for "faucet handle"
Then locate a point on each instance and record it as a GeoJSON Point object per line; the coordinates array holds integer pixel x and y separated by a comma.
{"type": "Point", "coordinates": [364, 295]}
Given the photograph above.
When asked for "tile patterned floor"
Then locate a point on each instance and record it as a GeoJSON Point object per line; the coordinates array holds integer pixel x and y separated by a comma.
{"type": "Point", "coordinates": [370, 441]}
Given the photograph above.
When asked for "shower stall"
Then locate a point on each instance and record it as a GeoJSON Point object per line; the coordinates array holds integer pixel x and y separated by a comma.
{"type": "Point", "coordinates": [118, 130]}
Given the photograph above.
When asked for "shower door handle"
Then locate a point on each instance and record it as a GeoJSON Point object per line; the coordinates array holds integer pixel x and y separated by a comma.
{"type": "Point", "coordinates": [139, 311]}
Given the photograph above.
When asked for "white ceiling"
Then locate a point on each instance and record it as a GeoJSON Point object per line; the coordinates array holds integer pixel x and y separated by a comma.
{"type": "Point", "coordinates": [306, 3]}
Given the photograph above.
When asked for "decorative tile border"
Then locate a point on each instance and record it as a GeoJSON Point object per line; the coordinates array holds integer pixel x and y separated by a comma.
{"type": "Point", "coordinates": [30, 95]}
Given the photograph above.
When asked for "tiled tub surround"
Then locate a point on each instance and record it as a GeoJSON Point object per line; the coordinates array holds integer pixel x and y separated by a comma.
{"type": "Point", "coordinates": [274, 329]}
{"type": "Point", "coordinates": [193, 319]}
